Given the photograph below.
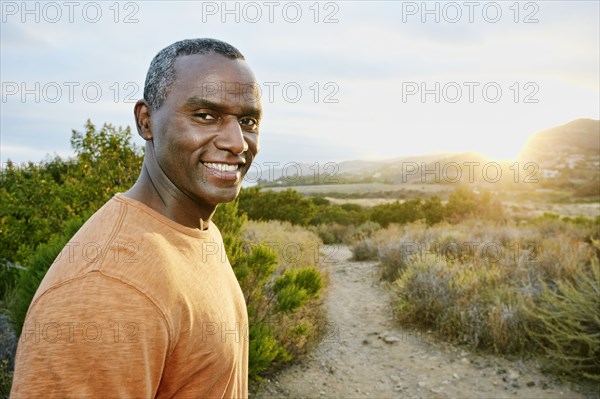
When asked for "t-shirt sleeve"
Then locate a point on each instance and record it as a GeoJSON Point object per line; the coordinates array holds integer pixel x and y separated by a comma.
{"type": "Point", "coordinates": [92, 337]}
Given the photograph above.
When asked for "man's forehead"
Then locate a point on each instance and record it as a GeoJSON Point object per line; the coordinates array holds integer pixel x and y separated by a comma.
{"type": "Point", "coordinates": [232, 105]}
{"type": "Point", "coordinates": [212, 67]}
{"type": "Point", "coordinates": [217, 79]}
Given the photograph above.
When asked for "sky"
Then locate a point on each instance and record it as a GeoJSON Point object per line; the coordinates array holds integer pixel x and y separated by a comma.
{"type": "Point", "coordinates": [340, 80]}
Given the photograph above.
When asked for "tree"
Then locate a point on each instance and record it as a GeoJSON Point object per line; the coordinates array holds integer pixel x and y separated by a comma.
{"type": "Point", "coordinates": [397, 212]}
{"type": "Point", "coordinates": [433, 210]}
{"type": "Point", "coordinates": [465, 203]}
{"type": "Point", "coordinates": [287, 205]}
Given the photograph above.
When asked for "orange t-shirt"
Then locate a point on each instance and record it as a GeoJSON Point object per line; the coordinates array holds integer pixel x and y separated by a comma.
{"type": "Point", "coordinates": [136, 306]}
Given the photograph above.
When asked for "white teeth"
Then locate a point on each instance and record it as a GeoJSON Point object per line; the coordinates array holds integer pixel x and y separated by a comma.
{"type": "Point", "coordinates": [223, 167]}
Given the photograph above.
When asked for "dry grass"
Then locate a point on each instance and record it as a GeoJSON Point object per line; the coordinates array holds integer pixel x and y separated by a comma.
{"type": "Point", "coordinates": [530, 209]}
{"type": "Point", "coordinates": [354, 188]}
{"type": "Point", "coordinates": [295, 246]}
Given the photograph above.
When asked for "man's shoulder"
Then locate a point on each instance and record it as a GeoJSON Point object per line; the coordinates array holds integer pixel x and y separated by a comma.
{"type": "Point", "coordinates": [133, 245]}
{"type": "Point", "coordinates": [110, 239]}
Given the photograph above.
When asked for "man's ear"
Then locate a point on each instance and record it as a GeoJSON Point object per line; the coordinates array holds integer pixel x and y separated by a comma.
{"type": "Point", "coordinates": [141, 112]}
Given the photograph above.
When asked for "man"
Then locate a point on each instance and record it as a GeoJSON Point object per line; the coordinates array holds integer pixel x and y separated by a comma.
{"type": "Point", "coordinates": [152, 309]}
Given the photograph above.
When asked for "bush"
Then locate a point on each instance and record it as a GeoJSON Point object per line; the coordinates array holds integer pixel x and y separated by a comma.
{"type": "Point", "coordinates": [566, 323]}
{"type": "Point", "coordinates": [424, 294]}
{"type": "Point", "coordinates": [397, 212]}
{"type": "Point", "coordinates": [461, 305]}
{"type": "Point", "coordinates": [8, 347]}
{"type": "Point", "coordinates": [330, 233]}
{"type": "Point", "coordinates": [464, 203]}
{"type": "Point", "coordinates": [433, 211]}
{"type": "Point", "coordinates": [288, 205]}
{"type": "Point", "coordinates": [394, 260]}
{"type": "Point", "coordinates": [345, 214]}
{"type": "Point", "coordinates": [364, 250]}
{"type": "Point", "coordinates": [6, 376]}
{"type": "Point", "coordinates": [295, 287]}
{"type": "Point", "coordinates": [36, 267]}
{"type": "Point", "coordinates": [339, 234]}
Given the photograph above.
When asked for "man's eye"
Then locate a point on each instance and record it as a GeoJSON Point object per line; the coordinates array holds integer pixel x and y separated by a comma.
{"type": "Point", "coordinates": [205, 116]}
{"type": "Point", "coordinates": [250, 122]}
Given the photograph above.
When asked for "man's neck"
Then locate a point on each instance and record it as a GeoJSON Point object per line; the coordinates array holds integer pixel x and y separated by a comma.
{"type": "Point", "coordinates": [169, 201]}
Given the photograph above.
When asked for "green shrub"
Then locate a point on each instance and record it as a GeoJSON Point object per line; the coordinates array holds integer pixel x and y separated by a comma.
{"type": "Point", "coordinates": [433, 211]}
{"type": "Point", "coordinates": [287, 205]}
{"type": "Point", "coordinates": [464, 203]}
{"type": "Point", "coordinates": [397, 212]}
{"type": "Point", "coordinates": [8, 347]}
{"type": "Point", "coordinates": [36, 267]}
{"type": "Point", "coordinates": [330, 233]}
{"type": "Point", "coordinates": [345, 214]}
{"type": "Point", "coordinates": [566, 323]}
{"type": "Point", "coordinates": [264, 350]}
{"type": "Point", "coordinates": [295, 287]}
{"type": "Point", "coordinates": [5, 379]}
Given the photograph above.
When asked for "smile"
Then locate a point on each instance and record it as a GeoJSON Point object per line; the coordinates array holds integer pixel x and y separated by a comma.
{"type": "Point", "coordinates": [221, 167]}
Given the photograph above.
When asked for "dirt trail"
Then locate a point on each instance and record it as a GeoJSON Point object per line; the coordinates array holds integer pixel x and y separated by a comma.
{"type": "Point", "coordinates": [365, 354]}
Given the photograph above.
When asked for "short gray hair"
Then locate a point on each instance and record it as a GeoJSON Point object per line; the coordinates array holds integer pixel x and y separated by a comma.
{"type": "Point", "coordinates": [161, 73]}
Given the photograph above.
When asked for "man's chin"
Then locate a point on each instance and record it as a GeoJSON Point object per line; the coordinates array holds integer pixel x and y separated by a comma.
{"type": "Point", "coordinates": [222, 195]}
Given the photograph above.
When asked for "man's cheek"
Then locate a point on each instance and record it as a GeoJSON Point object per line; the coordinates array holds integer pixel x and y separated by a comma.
{"type": "Point", "coordinates": [253, 145]}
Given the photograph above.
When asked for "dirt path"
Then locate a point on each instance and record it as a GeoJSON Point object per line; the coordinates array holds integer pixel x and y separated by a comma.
{"type": "Point", "coordinates": [365, 354]}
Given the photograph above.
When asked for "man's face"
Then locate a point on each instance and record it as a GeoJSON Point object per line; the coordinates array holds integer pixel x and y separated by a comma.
{"type": "Point", "coordinates": [205, 134]}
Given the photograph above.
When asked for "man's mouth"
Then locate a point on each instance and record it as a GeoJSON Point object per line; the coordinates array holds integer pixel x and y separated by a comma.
{"type": "Point", "coordinates": [222, 167]}
{"type": "Point", "coordinates": [224, 172]}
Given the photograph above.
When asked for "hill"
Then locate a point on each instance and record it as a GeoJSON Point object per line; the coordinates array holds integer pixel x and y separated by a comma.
{"type": "Point", "coordinates": [581, 136]}
{"type": "Point", "coordinates": [568, 156]}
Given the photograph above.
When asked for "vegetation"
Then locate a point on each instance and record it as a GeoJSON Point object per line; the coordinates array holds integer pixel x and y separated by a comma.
{"type": "Point", "coordinates": [36, 267]}
{"type": "Point", "coordinates": [499, 286]}
{"type": "Point", "coordinates": [288, 205]}
{"type": "Point", "coordinates": [348, 223]}
{"type": "Point", "coordinates": [566, 323]}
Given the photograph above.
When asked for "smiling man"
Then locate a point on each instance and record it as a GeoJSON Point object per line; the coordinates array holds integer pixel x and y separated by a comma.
{"type": "Point", "coordinates": [157, 312]}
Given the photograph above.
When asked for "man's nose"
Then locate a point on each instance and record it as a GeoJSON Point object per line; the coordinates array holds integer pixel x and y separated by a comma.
{"type": "Point", "coordinates": [231, 137]}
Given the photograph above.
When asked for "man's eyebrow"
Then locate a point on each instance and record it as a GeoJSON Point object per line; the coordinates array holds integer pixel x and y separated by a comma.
{"type": "Point", "coordinates": [200, 102]}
